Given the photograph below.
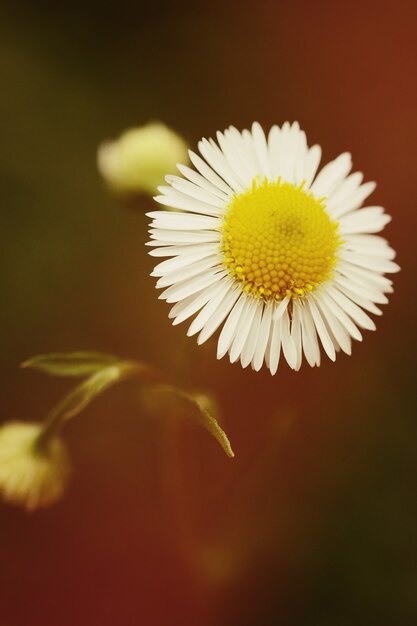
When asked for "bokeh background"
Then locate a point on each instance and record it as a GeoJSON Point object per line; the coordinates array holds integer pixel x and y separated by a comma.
{"type": "Point", "coordinates": [314, 522]}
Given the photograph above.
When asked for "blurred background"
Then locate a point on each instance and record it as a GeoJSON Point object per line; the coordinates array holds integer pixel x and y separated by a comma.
{"type": "Point", "coordinates": [314, 522]}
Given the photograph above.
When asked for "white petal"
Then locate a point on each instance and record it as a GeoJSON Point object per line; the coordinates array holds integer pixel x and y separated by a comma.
{"type": "Point", "coordinates": [331, 176]}
{"type": "Point", "coordinates": [219, 315]}
{"type": "Point", "coordinates": [369, 262]}
{"type": "Point", "coordinates": [300, 158]}
{"type": "Point", "coordinates": [340, 314]}
{"type": "Point", "coordinates": [261, 148]}
{"type": "Point", "coordinates": [311, 346]}
{"type": "Point", "coordinates": [233, 157]}
{"type": "Point", "coordinates": [367, 220]}
{"type": "Point", "coordinates": [296, 333]}
{"type": "Point", "coordinates": [285, 138]}
{"type": "Point", "coordinates": [183, 309]}
{"type": "Point", "coordinates": [359, 244]}
{"type": "Point", "coordinates": [215, 158]}
{"type": "Point", "coordinates": [357, 314]}
{"type": "Point", "coordinates": [174, 199]}
{"type": "Point", "coordinates": [281, 308]}
{"type": "Point", "coordinates": [340, 333]}
{"type": "Point", "coordinates": [203, 182]}
{"type": "Point", "coordinates": [228, 330]}
{"type": "Point", "coordinates": [366, 277]}
{"type": "Point", "coordinates": [206, 312]}
{"type": "Point", "coordinates": [345, 190]}
{"type": "Point", "coordinates": [196, 191]}
{"type": "Point", "coordinates": [262, 341]}
{"type": "Point", "coordinates": [183, 221]}
{"type": "Point", "coordinates": [354, 201]}
{"type": "Point", "coordinates": [250, 345]}
{"type": "Point", "coordinates": [364, 303]}
{"type": "Point", "coordinates": [250, 152]}
{"type": "Point", "coordinates": [209, 174]}
{"type": "Point", "coordinates": [369, 240]}
{"type": "Point", "coordinates": [289, 164]}
{"type": "Point", "coordinates": [274, 149]}
{"type": "Point", "coordinates": [243, 143]}
{"type": "Point", "coordinates": [311, 164]}
{"type": "Point", "coordinates": [188, 271]}
{"type": "Point", "coordinates": [236, 146]}
{"type": "Point", "coordinates": [242, 329]}
{"type": "Point", "coordinates": [177, 262]}
{"type": "Point", "coordinates": [321, 329]}
{"type": "Point", "coordinates": [192, 285]}
{"type": "Point", "coordinates": [273, 350]}
{"type": "Point", "coordinates": [361, 290]}
{"type": "Point", "coordinates": [165, 236]}
{"type": "Point", "coordinates": [189, 249]}
{"type": "Point", "coordinates": [288, 346]}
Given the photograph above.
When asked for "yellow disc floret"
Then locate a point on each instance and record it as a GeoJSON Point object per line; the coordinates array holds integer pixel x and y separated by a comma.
{"type": "Point", "coordinates": [278, 240]}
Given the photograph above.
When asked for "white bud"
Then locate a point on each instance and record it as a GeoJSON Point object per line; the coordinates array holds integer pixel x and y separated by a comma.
{"type": "Point", "coordinates": [139, 160]}
{"type": "Point", "coordinates": [31, 477]}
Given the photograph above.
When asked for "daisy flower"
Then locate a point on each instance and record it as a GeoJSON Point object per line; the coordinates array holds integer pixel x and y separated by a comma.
{"type": "Point", "coordinates": [281, 256]}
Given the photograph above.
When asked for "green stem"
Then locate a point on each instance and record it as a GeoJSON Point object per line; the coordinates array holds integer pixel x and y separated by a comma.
{"type": "Point", "coordinates": [77, 399]}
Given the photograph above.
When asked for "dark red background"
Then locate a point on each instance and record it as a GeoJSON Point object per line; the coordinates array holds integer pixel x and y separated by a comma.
{"type": "Point", "coordinates": [314, 522]}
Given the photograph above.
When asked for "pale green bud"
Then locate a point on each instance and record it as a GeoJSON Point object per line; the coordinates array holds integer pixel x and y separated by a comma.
{"type": "Point", "coordinates": [31, 476]}
{"type": "Point", "coordinates": [139, 160]}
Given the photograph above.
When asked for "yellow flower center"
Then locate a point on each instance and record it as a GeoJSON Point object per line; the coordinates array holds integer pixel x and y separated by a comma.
{"type": "Point", "coordinates": [278, 240]}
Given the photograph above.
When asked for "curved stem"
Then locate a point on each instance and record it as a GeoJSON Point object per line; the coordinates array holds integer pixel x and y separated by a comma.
{"type": "Point", "coordinates": [77, 399]}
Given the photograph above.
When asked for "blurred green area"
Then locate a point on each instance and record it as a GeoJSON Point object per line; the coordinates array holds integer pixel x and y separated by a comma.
{"type": "Point", "coordinates": [314, 522]}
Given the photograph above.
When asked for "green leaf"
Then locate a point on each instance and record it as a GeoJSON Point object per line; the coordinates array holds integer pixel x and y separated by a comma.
{"type": "Point", "coordinates": [172, 401]}
{"type": "Point", "coordinates": [71, 364]}
{"type": "Point", "coordinates": [77, 399]}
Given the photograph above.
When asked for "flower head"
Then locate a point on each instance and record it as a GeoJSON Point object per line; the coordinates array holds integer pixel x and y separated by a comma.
{"type": "Point", "coordinates": [139, 159]}
{"type": "Point", "coordinates": [30, 476]}
{"type": "Point", "coordinates": [281, 255]}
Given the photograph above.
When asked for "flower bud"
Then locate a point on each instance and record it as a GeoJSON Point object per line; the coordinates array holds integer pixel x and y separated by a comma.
{"type": "Point", "coordinates": [31, 476]}
{"type": "Point", "coordinates": [138, 161]}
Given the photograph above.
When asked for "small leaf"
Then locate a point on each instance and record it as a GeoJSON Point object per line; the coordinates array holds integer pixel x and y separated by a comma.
{"type": "Point", "coordinates": [98, 382]}
{"type": "Point", "coordinates": [170, 400]}
{"type": "Point", "coordinates": [71, 364]}
{"type": "Point", "coordinates": [77, 399]}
